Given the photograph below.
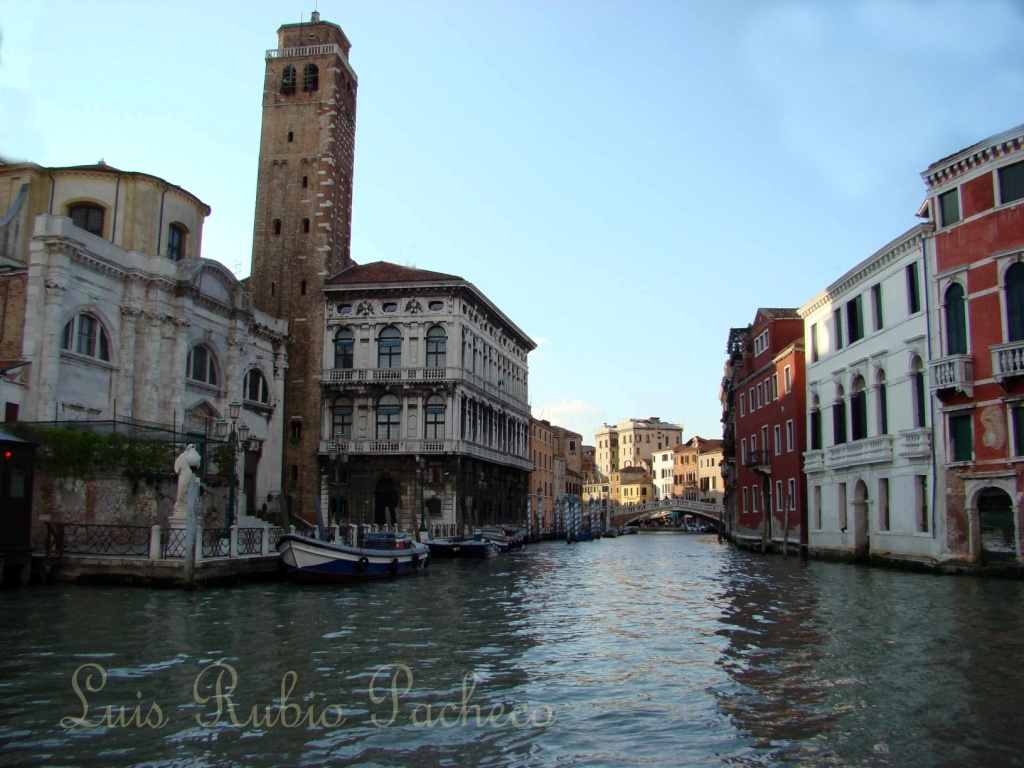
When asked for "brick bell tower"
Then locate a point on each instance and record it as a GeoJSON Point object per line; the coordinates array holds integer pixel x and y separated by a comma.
{"type": "Point", "coordinates": [303, 224]}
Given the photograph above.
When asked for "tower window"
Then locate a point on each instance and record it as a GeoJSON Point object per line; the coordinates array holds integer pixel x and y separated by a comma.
{"type": "Point", "coordinates": [277, 226]}
{"type": "Point", "coordinates": [273, 287]}
{"type": "Point", "coordinates": [175, 242]}
{"type": "Point", "coordinates": [87, 217]}
{"type": "Point", "coordinates": [305, 181]}
{"type": "Point", "coordinates": [296, 430]}
{"type": "Point", "coordinates": [291, 137]}
{"type": "Point", "coordinates": [288, 80]}
{"type": "Point", "coordinates": [302, 287]}
{"type": "Point", "coordinates": [305, 225]}
{"type": "Point", "coordinates": [311, 78]}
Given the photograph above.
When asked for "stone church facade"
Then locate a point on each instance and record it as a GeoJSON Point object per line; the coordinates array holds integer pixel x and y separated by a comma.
{"type": "Point", "coordinates": [113, 314]}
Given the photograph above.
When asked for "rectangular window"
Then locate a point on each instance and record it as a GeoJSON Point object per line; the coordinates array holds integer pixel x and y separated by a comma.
{"type": "Point", "coordinates": [743, 450]}
{"type": "Point", "coordinates": [814, 342]}
{"type": "Point", "coordinates": [744, 499]}
{"type": "Point", "coordinates": [854, 320]}
{"type": "Point", "coordinates": [743, 404]}
{"type": "Point", "coordinates": [1017, 424]}
{"type": "Point", "coordinates": [792, 494]}
{"type": "Point", "coordinates": [841, 506]}
{"type": "Point", "coordinates": [779, 506]}
{"type": "Point", "coordinates": [961, 442]}
{"type": "Point", "coordinates": [921, 502]}
{"type": "Point", "coordinates": [913, 290]}
{"type": "Point", "coordinates": [815, 430]}
{"type": "Point", "coordinates": [876, 305]}
{"type": "Point", "coordinates": [778, 440]}
{"type": "Point", "coordinates": [1011, 182]}
{"type": "Point", "coordinates": [767, 391]}
{"type": "Point", "coordinates": [816, 496]}
{"type": "Point", "coordinates": [760, 396]}
{"type": "Point", "coordinates": [753, 402]}
{"type": "Point", "coordinates": [753, 498]}
{"type": "Point", "coordinates": [789, 435]}
{"type": "Point", "coordinates": [837, 328]}
{"type": "Point", "coordinates": [775, 386]}
{"type": "Point", "coordinates": [883, 504]}
{"type": "Point", "coordinates": [949, 207]}
{"type": "Point", "coordinates": [11, 412]}
{"type": "Point", "coordinates": [787, 379]}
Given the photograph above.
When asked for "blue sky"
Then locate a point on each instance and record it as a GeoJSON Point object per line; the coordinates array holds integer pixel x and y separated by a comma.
{"type": "Point", "coordinates": [625, 180]}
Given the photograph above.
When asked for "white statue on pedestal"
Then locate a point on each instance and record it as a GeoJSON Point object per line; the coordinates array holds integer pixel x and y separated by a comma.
{"type": "Point", "coordinates": [184, 466]}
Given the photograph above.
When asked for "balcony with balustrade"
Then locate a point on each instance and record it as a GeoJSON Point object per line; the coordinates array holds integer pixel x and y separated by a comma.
{"type": "Point", "coordinates": [955, 372]}
{"type": "Point", "coordinates": [759, 461]}
{"type": "Point", "coordinates": [346, 378]}
{"type": "Point", "coordinates": [814, 461]}
{"type": "Point", "coordinates": [870, 450]}
{"type": "Point", "coordinates": [427, 448]}
{"type": "Point", "coordinates": [1007, 361]}
{"type": "Point", "coordinates": [914, 443]}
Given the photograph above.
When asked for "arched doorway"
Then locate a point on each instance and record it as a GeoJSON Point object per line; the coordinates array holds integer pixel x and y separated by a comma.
{"type": "Point", "coordinates": [385, 497]}
{"type": "Point", "coordinates": [861, 537]}
{"type": "Point", "coordinates": [998, 534]}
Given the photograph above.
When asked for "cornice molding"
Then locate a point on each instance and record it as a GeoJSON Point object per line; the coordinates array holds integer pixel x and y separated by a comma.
{"type": "Point", "coordinates": [981, 153]}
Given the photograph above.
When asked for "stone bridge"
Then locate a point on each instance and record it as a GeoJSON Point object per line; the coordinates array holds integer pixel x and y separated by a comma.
{"type": "Point", "coordinates": [712, 513]}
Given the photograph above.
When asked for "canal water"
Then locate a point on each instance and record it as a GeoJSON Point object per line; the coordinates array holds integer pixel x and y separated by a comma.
{"type": "Point", "coordinates": [642, 650]}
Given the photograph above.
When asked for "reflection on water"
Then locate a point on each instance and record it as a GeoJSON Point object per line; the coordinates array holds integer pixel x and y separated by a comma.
{"type": "Point", "coordinates": [645, 650]}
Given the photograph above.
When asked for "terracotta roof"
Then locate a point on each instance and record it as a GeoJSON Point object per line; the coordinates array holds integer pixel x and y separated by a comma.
{"type": "Point", "coordinates": [386, 272]}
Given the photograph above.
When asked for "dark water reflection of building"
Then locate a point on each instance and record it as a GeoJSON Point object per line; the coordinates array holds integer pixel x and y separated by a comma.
{"type": "Point", "coordinates": [850, 665]}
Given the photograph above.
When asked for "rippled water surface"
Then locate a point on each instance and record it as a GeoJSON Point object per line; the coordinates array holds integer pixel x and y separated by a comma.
{"type": "Point", "coordinates": [642, 650]}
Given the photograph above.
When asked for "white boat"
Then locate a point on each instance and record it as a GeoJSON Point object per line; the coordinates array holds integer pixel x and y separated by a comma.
{"type": "Point", "coordinates": [380, 555]}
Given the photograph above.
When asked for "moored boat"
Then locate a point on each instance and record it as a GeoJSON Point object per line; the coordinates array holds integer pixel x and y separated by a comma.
{"type": "Point", "coordinates": [505, 538]}
{"type": "Point", "coordinates": [458, 547]}
{"type": "Point", "coordinates": [380, 555]}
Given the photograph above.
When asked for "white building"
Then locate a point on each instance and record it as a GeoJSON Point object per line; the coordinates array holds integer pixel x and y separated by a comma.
{"type": "Point", "coordinates": [870, 465]}
{"type": "Point", "coordinates": [662, 463]}
{"type": "Point", "coordinates": [122, 320]}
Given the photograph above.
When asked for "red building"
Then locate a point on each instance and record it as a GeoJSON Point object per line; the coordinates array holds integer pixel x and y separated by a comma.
{"type": "Point", "coordinates": [768, 432]}
{"type": "Point", "coordinates": [976, 203]}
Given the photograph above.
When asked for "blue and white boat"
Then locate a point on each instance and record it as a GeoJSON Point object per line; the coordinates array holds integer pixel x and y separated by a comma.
{"type": "Point", "coordinates": [380, 555]}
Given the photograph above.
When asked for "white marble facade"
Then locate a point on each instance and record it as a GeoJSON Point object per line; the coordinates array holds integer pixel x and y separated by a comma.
{"type": "Point", "coordinates": [125, 321]}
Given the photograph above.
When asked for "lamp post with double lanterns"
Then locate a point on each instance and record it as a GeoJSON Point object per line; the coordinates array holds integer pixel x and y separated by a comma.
{"type": "Point", "coordinates": [238, 435]}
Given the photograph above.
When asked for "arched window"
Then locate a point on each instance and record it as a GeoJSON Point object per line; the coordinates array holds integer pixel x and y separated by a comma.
{"type": "Point", "coordinates": [311, 78]}
{"type": "Point", "coordinates": [288, 79]}
{"type": "Point", "coordinates": [883, 405]}
{"type": "Point", "coordinates": [85, 335]}
{"type": "Point", "coordinates": [88, 217]}
{"type": "Point", "coordinates": [917, 381]}
{"type": "Point", "coordinates": [815, 424]}
{"type": "Point", "coordinates": [839, 417]}
{"type": "Point", "coordinates": [859, 410]}
{"type": "Point", "coordinates": [277, 226]}
{"type": "Point", "coordinates": [200, 366]}
{"type": "Point", "coordinates": [1015, 302]}
{"type": "Point", "coordinates": [388, 415]}
{"type": "Point", "coordinates": [437, 343]}
{"type": "Point", "coordinates": [435, 417]}
{"type": "Point", "coordinates": [256, 388]}
{"type": "Point", "coordinates": [341, 419]}
{"type": "Point", "coordinates": [389, 348]}
{"type": "Point", "coordinates": [175, 242]}
{"type": "Point", "coordinates": [344, 342]}
{"type": "Point", "coordinates": [956, 321]}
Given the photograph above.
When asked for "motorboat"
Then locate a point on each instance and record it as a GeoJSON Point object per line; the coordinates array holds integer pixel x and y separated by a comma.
{"type": "Point", "coordinates": [379, 554]}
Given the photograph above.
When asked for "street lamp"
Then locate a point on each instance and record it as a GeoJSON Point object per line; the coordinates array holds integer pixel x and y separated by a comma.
{"type": "Point", "coordinates": [236, 436]}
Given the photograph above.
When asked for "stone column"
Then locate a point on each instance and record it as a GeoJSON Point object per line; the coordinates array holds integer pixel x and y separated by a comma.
{"type": "Point", "coordinates": [46, 366]}
{"type": "Point", "coordinates": [126, 353]}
